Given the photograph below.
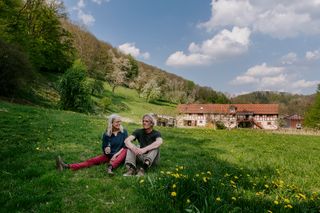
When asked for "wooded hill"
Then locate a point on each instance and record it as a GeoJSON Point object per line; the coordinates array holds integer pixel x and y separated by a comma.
{"type": "Point", "coordinates": [288, 103]}
{"type": "Point", "coordinates": [106, 62]}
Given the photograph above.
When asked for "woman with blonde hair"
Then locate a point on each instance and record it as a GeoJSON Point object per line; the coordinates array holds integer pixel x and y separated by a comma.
{"type": "Point", "coordinates": [113, 148]}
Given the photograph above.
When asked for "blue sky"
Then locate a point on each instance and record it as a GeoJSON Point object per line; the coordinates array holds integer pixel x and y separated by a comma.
{"type": "Point", "coordinates": [233, 46]}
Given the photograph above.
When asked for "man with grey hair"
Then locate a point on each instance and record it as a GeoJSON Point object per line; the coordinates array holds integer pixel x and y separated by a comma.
{"type": "Point", "coordinates": [148, 152]}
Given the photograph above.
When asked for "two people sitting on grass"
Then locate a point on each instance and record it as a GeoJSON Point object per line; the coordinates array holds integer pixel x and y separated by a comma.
{"type": "Point", "coordinates": [147, 153]}
{"type": "Point", "coordinates": [113, 148]}
{"type": "Point", "coordinates": [117, 147]}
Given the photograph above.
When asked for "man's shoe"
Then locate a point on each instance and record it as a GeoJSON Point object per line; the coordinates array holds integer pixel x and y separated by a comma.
{"type": "Point", "coordinates": [140, 172]}
{"type": "Point", "coordinates": [60, 165]}
{"type": "Point", "coordinates": [109, 171]}
{"type": "Point", "coordinates": [130, 172]}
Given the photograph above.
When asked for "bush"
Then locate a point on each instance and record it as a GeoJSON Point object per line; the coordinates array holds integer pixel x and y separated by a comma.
{"type": "Point", "coordinates": [96, 87]}
{"type": "Point", "coordinates": [105, 102]}
{"type": "Point", "coordinates": [15, 69]}
{"type": "Point", "coordinates": [74, 92]}
{"type": "Point", "coordinates": [220, 125]}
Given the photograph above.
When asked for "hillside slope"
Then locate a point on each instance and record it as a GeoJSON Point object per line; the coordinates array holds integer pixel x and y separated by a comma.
{"type": "Point", "coordinates": [228, 170]}
{"type": "Point", "coordinates": [289, 103]}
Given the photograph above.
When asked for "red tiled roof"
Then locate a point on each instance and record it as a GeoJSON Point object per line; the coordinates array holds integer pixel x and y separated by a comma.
{"type": "Point", "coordinates": [224, 108]}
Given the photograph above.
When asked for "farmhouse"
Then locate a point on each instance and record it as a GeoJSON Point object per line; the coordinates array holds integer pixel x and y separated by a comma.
{"type": "Point", "coordinates": [262, 116]}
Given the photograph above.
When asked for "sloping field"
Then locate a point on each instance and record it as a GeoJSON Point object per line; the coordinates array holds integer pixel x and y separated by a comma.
{"type": "Point", "coordinates": [201, 169]}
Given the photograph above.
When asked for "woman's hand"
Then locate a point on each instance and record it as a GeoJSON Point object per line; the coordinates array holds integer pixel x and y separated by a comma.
{"type": "Point", "coordinates": [112, 159]}
{"type": "Point", "coordinates": [107, 150]}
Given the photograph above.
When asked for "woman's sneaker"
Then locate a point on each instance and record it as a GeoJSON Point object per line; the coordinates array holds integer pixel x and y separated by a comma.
{"type": "Point", "coordinates": [60, 165]}
{"type": "Point", "coordinates": [109, 171]}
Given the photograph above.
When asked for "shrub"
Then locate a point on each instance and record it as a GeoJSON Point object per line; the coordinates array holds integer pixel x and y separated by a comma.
{"type": "Point", "coordinates": [96, 87]}
{"type": "Point", "coordinates": [74, 92]}
{"type": "Point", "coordinates": [105, 102]}
{"type": "Point", "coordinates": [220, 125]}
{"type": "Point", "coordinates": [15, 69]}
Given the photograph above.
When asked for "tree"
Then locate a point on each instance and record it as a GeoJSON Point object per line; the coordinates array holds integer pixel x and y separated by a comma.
{"type": "Point", "coordinates": [133, 70]}
{"type": "Point", "coordinates": [117, 75]}
{"type": "Point", "coordinates": [312, 117]}
{"type": "Point", "coordinates": [151, 91]}
{"type": "Point", "coordinates": [74, 92]}
{"type": "Point", "coordinates": [37, 28]}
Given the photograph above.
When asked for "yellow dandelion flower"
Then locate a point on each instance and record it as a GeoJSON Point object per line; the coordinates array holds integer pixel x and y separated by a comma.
{"type": "Point", "coordinates": [286, 200]}
{"type": "Point", "coordinates": [218, 199]}
{"type": "Point", "coordinates": [288, 206]}
{"type": "Point", "coordinates": [141, 181]}
{"type": "Point", "coordinates": [173, 194]}
{"type": "Point", "coordinates": [188, 200]}
{"type": "Point", "coordinates": [302, 196]}
{"type": "Point", "coordinates": [276, 202]}
{"type": "Point", "coordinates": [174, 186]}
{"type": "Point", "coordinates": [259, 193]}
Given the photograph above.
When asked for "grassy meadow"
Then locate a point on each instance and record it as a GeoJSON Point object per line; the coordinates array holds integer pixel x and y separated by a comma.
{"type": "Point", "coordinates": [201, 170]}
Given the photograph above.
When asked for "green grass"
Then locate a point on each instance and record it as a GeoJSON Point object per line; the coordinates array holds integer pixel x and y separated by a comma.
{"type": "Point", "coordinates": [136, 106]}
{"type": "Point", "coordinates": [43, 92]}
{"type": "Point", "coordinates": [31, 138]}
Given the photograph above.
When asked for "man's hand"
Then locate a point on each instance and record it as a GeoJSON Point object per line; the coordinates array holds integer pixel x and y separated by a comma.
{"type": "Point", "coordinates": [140, 151]}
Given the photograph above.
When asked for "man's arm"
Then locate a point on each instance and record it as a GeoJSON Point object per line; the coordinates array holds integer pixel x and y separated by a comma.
{"type": "Point", "coordinates": [156, 144]}
{"type": "Point", "coordinates": [129, 144]}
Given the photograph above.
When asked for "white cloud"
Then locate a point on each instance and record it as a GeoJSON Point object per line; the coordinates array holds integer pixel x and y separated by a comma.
{"type": "Point", "coordinates": [263, 77]}
{"type": "Point", "coordinates": [80, 4]}
{"type": "Point", "coordinates": [100, 1]}
{"type": "Point", "coordinates": [242, 80]}
{"type": "Point", "coordinates": [313, 55]}
{"type": "Point", "coordinates": [232, 12]}
{"type": "Point", "coordinates": [180, 59]}
{"type": "Point", "coordinates": [305, 84]}
{"type": "Point", "coordinates": [279, 81]}
{"type": "Point", "coordinates": [223, 45]}
{"type": "Point", "coordinates": [290, 58]}
{"type": "Point", "coordinates": [85, 18]}
{"type": "Point", "coordinates": [130, 48]}
{"type": "Point", "coordinates": [280, 19]}
{"type": "Point", "coordinates": [264, 70]}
